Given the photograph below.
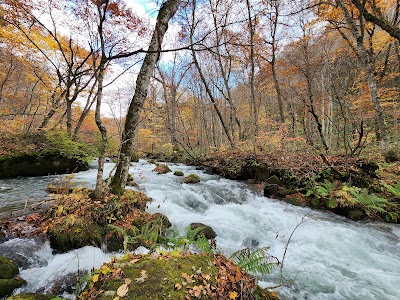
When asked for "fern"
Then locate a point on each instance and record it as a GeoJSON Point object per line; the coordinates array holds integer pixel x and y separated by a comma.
{"type": "Point", "coordinates": [256, 262]}
{"type": "Point", "coordinates": [191, 238]}
{"type": "Point", "coordinates": [393, 189]}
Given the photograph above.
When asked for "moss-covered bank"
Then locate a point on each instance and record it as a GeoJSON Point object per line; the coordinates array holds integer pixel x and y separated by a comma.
{"type": "Point", "coordinates": [173, 276]}
{"type": "Point", "coordinates": [354, 188]}
{"type": "Point", "coordinates": [42, 153]}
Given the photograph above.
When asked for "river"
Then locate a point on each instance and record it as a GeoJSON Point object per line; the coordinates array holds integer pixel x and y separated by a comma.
{"type": "Point", "coordinates": [328, 257]}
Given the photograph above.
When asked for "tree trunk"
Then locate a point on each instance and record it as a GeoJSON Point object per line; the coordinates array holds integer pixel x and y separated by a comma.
{"type": "Point", "coordinates": [252, 71]}
{"type": "Point", "coordinates": [367, 65]}
{"type": "Point", "coordinates": [167, 11]}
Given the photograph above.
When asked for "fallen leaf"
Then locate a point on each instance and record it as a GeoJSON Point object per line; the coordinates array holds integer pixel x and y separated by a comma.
{"type": "Point", "coordinates": [122, 290]}
{"type": "Point", "coordinates": [95, 278]}
{"type": "Point", "coordinates": [128, 281]}
{"type": "Point", "coordinates": [233, 295]}
{"type": "Point", "coordinates": [178, 286]}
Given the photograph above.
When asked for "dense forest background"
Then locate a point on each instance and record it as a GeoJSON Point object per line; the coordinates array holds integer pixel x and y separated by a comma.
{"type": "Point", "coordinates": [299, 76]}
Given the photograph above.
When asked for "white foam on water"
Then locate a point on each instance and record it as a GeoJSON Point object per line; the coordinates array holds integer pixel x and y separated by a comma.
{"type": "Point", "coordinates": [328, 257]}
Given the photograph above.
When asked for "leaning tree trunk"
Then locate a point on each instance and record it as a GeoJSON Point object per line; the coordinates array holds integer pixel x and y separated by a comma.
{"type": "Point", "coordinates": [167, 11]}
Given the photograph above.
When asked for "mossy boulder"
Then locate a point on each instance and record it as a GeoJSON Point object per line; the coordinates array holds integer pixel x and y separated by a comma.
{"type": "Point", "coordinates": [151, 277]}
{"type": "Point", "coordinates": [162, 219]}
{"type": "Point", "coordinates": [7, 286]}
{"type": "Point", "coordinates": [162, 169]}
{"type": "Point", "coordinates": [8, 269]}
{"type": "Point", "coordinates": [192, 178]}
{"type": "Point", "coordinates": [9, 281]}
{"type": "Point", "coordinates": [178, 173]}
{"type": "Point", "coordinates": [72, 233]}
{"type": "Point", "coordinates": [206, 230]}
{"type": "Point", "coordinates": [173, 275]}
{"type": "Point", "coordinates": [30, 296]}
{"type": "Point", "coordinates": [274, 187]}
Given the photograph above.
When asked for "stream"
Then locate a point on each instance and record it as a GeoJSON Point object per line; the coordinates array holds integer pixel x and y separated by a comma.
{"type": "Point", "coordinates": [328, 256]}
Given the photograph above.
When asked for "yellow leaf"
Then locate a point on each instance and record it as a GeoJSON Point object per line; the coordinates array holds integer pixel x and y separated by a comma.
{"type": "Point", "coordinates": [122, 290]}
{"type": "Point", "coordinates": [60, 210]}
{"type": "Point", "coordinates": [233, 295]}
{"type": "Point", "coordinates": [178, 286]}
{"type": "Point", "coordinates": [95, 278]}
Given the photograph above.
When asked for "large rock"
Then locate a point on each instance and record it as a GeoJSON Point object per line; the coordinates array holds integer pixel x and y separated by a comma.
{"type": "Point", "coordinates": [72, 233]}
{"type": "Point", "coordinates": [192, 178]}
{"type": "Point", "coordinates": [39, 165]}
{"type": "Point", "coordinates": [7, 286]}
{"type": "Point", "coordinates": [7, 268]}
{"type": "Point", "coordinates": [274, 188]}
{"type": "Point", "coordinates": [206, 230]}
{"type": "Point", "coordinates": [8, 277]}
{"type": "Point", "coordinates": [162, 169]}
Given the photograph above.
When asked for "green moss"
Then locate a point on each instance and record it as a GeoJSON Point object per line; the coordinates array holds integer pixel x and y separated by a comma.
{"type": "Point", "coordinates": [192, 178]}
{"type": "Point", "coordinates": [178, 173]}
{"type": "Point", "coordinates": [30, 296]}
{"type": "Point", "coordinates": [7, 268]}
{"type": "Point", "coordinates": [162, 275]}
{"type": "Point", "coordinates": [71, 233]}
{"type": "Point", "coordinates": [7, 286]}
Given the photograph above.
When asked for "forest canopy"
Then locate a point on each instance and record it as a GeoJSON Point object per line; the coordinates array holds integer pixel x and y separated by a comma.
{"type": "Point", "coordinates": [297, 75]}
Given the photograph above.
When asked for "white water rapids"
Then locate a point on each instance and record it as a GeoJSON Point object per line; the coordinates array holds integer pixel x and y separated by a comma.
{"type": "Point", "coordinates": [328, 257]}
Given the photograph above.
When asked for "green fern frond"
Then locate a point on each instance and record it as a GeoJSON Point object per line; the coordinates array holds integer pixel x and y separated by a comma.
{"type": "Point", "coordinates": [393, 189]}
{"type": "Point", "coordinates": [256, 262]}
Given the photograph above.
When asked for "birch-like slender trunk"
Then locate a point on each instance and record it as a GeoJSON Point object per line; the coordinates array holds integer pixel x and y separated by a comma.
{"type": "Point", "coordinates": [166, 12]}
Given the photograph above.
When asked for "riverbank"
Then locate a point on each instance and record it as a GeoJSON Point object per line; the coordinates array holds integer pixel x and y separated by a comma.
{"type": "Point", "coordinates": [325, 243]}
{"type": "Point", "coordinates": [42, 153]}
{"type": "Point", "coordinates": [74, 220]}
{"type": "Point", "coordinates": [354, 188]}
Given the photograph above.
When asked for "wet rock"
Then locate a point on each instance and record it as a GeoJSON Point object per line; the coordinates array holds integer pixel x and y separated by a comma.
{"type": "Point", "coordinates": [71, 233]}
{"type": "Point", "coordinates": [192, 178]}
{"type": "Point", "coordinates": [9, 281]}
{"type": "Point", "coordinates": [8, 269]}
{"type": "Point", "coordinates": [162, 169]}
{"type": "Point", "coordinates": [163, 219]}
{"type": "Point", "coordinates": [178, 173]}
{"type": "Point", "coordinates": [30, 296]}
{"type": "Point", "coordinates": [28, 248]}
{"type": "Point", "coordinates": [206, 230]}
{"type": "Point", "coordinates": [43, 165]}
{"type": "Point", "coordinates": [274, 188]}
{"type": "Point", "coordinates": [250, 243]}
{"type": "Point", "coordinates": [355, 214]}
{"type": "Point", "coordinates": [7, 286]}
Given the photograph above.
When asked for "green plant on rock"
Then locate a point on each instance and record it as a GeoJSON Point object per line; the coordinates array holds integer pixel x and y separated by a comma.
{"type": "Point", "coordinates": [255, 262]}
{"type": "Point", "coordinates": [372, 204]}
{"type": "Point", "coordinates": [322, 191]}
{"type": "Point", "coordinates": [60, 143]}
{"type": "Point", "coordinates": [192, 178]}
{"type": "Point", "coordinates": [393, 189]}
{"type": "Point", "coordinates": [191, 238]}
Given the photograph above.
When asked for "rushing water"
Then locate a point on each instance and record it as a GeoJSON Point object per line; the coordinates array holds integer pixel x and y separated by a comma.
{"type": "Point", "coordinates": [328, 257]}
